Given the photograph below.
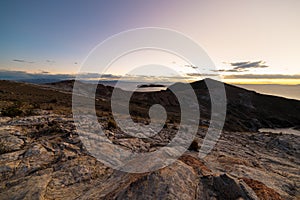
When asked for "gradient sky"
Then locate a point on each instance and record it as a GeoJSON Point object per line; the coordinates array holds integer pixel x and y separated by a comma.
{"type": "Point", "coordinates": [55, 36]}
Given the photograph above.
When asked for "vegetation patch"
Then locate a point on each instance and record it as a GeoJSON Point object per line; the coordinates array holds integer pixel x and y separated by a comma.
{"type": "Point", "coordinates": [12, 111]}
{"type": "Point", "coordinates": [111, 124]}
{"type": "Point", "coordinates": [3, 148]}
{"type": "Point", "coordinates": [194, 145]}
{"type": "Point", "coordinates": [261, 190]}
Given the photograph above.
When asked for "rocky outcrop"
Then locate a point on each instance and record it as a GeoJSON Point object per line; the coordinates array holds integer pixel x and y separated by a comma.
{"type": "Point", "coordinates": [46, 160]}
{"type": "Point", "coordinates": [42, 156]}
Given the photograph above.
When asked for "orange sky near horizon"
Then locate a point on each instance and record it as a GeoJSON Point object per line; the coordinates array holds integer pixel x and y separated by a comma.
{"type": "Point", "coordinates": [52, 37]}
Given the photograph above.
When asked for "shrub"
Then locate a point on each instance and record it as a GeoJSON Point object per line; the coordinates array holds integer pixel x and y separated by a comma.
{"type": "Point", "coordinates": [50, 107]}
{"type": "Point", "coordinates": [3, 148]}
{"type": "Point", "coordinates": [36, 106]}
{"type": "Point", "coordinates": [53, 101]}
{"type": "Point", "coordinates": [171, 121]}
{"type": "Point", "coordinates": [111, 124]}
{"type": "Point", "coordinates": [194, 146]}
{"type": "Point", "coordinates": [11, 112]}
{"type": "Point", "coordinates": [29, 112]}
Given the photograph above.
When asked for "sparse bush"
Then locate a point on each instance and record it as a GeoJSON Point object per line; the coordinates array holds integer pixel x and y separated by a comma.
{"type": "Point", "coordinates": [47, 107]}
{"type": "Point", "coordinates": [171, 121]}
{"type": "Point", "coordinates": [53, 101]}
{"type": "Point", "coordinates": [111, 124]}
{"type": "Point", "coordinates": [29, 112]}
{"type": "Point", "coordinates": [3, 148]}
{"type": "Point", "coordinates": [297, 128]}
{"type": "Point", "coordinates": [36, 106]}
{"type": "Point", "coordinates": [52, 127]}
{"type": "Point", "coordinates": [194, 146]}
{"type": "Point", "coordinates": [12, 111]}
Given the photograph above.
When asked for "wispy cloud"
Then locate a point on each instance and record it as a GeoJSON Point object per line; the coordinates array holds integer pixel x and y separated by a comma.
{"type": "Point", "coordinates": [243, 66]}
{"type": "Point", "coordinates": [191, 66]}
{"type": "Point", "coordinates": [200, 74]}
{"type": "Point", "coordinates": [262, 76]}
{"type": "Point", "coordinates": [50, 61]}
{"type": "Point", "coordinates": [96, 76]}
{"type": "Point", "coordinates": [22, 61]}
{"type": "Point", "coordinates": [22, 75]}
{"type": "Point", "coordinates": [226, 70]}
{"type": "Point", "coordinates": [248, 65]}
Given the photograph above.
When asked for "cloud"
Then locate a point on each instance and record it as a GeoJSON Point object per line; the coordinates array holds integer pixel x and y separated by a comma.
{"type": "Point", "coordinates": [191, 66]}
{"type": "Point", "coordinates": [262, 76]}
{"type": "Point", "coordinates": [13, 75]}
{"type": "Point", "coordinates": [50, 61]}
{"type": "Point", "coordinates": [226, 70]}
{"type": "Point", "coordinates": [22, 61]}
{"type": "Point", "coordinates": [247, 65]}
{"type": "Point", "coordinates": [96, 76]}
{"type": "Point", "coordinates": [200, 75]}
{"type": "Point", "coordinates": [22, 75]}
{"type": "Point", "coordinates": [243, 66]}
{"type": "Point", "coordinates": [238, 63]}
{"type": "Point", "coordinates": [110, 76]}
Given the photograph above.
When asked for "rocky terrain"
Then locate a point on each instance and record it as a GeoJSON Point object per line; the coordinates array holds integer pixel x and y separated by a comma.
{"type": "Point", "coordinates": [246, 110]}
{"type": "Point", "coordinates": [42, 157]}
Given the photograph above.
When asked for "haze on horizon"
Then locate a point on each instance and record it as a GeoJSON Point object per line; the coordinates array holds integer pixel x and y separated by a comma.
{"type": "Point", "coordinates": [250, 42]}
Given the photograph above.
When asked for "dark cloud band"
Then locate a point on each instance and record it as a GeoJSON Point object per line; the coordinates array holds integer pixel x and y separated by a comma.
{"type": "Point", "coordinates": [22, 61]}
{"type": "Point", "coordinates": [244, 66]}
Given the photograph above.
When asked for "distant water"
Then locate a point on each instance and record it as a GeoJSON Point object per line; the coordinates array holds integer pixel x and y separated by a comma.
{"type": "Point", "coordinates": [133, 86]}
{"type": "Point", "coordinates": [280, 130]}
{"type": "Point", "coordinates": [287, 91]}
{"type": "Point", "coordinates": [150, 89]}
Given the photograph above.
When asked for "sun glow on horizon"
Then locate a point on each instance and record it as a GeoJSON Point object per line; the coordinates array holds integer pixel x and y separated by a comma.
{"type": "Point", "coordinates": [263, 81]}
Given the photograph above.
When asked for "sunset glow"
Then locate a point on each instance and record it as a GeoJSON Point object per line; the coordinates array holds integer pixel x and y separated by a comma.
{"type": "Point", "coordinates": [53, 38]}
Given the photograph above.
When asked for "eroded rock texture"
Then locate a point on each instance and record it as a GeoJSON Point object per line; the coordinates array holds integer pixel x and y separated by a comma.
{"type": "Point", "coordinates": [43, 158]}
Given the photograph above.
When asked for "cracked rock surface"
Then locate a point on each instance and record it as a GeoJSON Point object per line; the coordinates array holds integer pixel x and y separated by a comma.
{"type": "Point", "coordinates": [45, 159]}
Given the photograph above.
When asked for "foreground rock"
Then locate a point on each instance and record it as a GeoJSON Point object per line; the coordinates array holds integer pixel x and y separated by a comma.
{"type": "Point", "coordinates": [43, 158]}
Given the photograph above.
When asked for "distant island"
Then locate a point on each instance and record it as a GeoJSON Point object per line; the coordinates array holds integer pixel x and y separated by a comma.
{"type": "Point", "coordinates": [150, 85]}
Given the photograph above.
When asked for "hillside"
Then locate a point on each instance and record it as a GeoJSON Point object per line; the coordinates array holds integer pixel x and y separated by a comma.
{"type": "Point", "coordinates": [42, 156]}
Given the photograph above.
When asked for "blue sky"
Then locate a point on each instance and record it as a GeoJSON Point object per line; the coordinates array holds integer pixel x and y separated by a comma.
{"type": "Point", "coordinates": [59, 31]}
{"type": "Point", "coordinates": [55, 36]}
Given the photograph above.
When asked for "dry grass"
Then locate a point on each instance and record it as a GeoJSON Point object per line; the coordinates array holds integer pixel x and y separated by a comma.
{"type": "Point", "coordinates": [3, 148]}
{"type": "Point", "coordinates": [262, 191]}
{"type": "Point", "coordinates": [22, 99]}
{"type": "Point", "coordinates": [111, 124]}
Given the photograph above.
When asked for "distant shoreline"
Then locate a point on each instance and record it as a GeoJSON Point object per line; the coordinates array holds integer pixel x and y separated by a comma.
{"type": "Point", "coordinates": [150, 85]}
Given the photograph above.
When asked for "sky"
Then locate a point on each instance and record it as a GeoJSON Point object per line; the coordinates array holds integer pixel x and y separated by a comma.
{"type": "Point", "coordinates": [254, 42]}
